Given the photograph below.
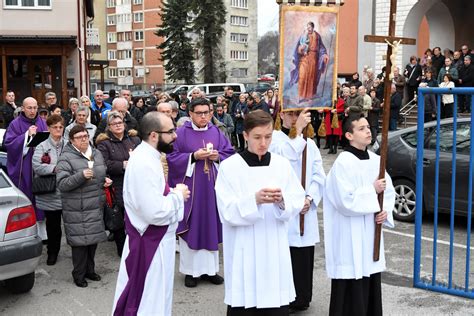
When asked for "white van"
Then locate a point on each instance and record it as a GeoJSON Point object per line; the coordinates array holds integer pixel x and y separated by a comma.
{"type": "Point", "coordinates": [212, 90]}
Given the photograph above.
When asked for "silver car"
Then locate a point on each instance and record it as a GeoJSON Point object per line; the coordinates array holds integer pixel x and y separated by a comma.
{"type": "Point", "coordinates": [20, 246]}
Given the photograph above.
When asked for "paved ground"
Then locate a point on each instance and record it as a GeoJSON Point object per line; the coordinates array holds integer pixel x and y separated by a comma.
{"type": "Point", "coordinates": [55, 294]}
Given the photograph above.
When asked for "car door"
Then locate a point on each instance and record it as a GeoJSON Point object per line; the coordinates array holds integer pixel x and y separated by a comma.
{"type": "Point", "coordinates": [445, 166]}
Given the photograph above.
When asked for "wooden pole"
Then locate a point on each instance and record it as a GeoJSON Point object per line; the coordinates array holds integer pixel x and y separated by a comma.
{"type": "Point", "coordinates": [303, 175]}
{"type": "Point", "coordinates": [385, 124]}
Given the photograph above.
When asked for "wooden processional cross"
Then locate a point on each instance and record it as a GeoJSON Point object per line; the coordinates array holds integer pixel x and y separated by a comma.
{"type": "Point", "coordinates": [392, 49]}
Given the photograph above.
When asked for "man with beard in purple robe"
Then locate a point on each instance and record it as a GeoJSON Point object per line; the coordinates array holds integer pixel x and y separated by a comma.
{"type": "Point", "coordinates": [199, 149]}
{"type": "Point", "coordinates": [19, 157]}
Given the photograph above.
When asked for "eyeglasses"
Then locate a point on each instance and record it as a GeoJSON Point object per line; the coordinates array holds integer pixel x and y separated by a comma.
{"type": "Point", "coordinates": [116, 124]}
{"type": "Point", "coordinates": [205, 113]}
{"type": "Point", "coordinates": [83, 137]}
{"type": "Point", "coordinates": [170, 132]}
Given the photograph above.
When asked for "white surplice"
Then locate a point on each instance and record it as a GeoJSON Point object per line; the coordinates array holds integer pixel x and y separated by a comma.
{"type": "Point", "coordinates": [145, 204]}
{"type": "Point", "coordinates": [257, 263]}
{"type": "Point", "coordinates": [350, 202]}
{"type": "Point", "coordinates": [292, 149]}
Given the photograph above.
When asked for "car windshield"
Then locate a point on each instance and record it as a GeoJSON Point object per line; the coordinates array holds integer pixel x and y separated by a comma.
{"type": "Point", "coordinates": [463, 138]}
{"type": "Point", "coordinates": [3, 182]}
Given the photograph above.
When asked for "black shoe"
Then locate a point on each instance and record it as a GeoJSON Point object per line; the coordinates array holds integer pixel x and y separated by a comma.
{"type": "Point", "coordinates": [214, 279]}
{"type": "Point", "coordinates": [297, 308]}
{"type": "Point", "coordinates": [93, 276]}
{"type": "Point", "coordinates": [80, 283]}
{"type": "Point", "coordinates": [52, 258]}
{"type": "Point", "coordinates": [331, 151]}
{"type": "Point", "coordinates": [111, 237]}
{"type": "Point", "coordinates": [189, 281]}
{"type": "Point", "coordinates": [326, 147]}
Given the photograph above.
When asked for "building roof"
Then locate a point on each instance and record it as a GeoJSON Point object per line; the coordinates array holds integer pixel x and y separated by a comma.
{"type": "Point", "coordinates": [37, 38]}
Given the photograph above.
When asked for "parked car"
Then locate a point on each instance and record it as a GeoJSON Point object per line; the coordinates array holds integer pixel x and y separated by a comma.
{"type": "Point", "coordinates": [213, 90]}
{"type": "Point", "coordinates": [267, 77]}
{"type": "Point", "coordinates": [260, 87]}
{"type": "Point", "coordinates": [20, 246]}
{"type": "Point", "coordinates": [3, 161]}
{"type": "Point", "coordinates": [180, 88]}
{"type": "Point", "coordinates": [401, 165]}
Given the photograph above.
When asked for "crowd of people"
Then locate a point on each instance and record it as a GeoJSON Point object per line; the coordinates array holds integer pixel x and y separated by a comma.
{"type": "Point", "coordinates": [189, 175]}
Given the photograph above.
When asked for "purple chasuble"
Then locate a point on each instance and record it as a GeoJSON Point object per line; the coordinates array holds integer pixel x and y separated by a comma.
{"type": "Point", "coordinates": [201, 227]}
{"type": "Point", "coordinates": [142, 250]}
{"type": "Point", "coordinates": [19, 167]}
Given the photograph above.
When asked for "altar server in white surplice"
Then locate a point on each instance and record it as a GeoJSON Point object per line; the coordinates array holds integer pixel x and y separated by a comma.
{"type": "Point", "coordinates": [152, 212]}
{"type": "Point", "coordinates": [257, 194]}
{"type": "Point", "coordinates": [350, 204]}
{"type": "Point", "coordinates": [289, 143]}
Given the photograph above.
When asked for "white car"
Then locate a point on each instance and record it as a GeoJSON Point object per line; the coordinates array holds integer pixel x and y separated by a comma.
{"type": "Point", "coordinates": [20, 246]}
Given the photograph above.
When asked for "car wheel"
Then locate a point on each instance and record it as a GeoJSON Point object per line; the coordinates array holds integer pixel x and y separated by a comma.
{"type": "Point", "coordinates": [21, 284]}
{"type": "Point", "coordinates": [405, 200]}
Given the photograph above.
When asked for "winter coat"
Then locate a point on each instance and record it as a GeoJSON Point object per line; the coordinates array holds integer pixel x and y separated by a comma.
{"type": "Point", "coordinates": [226, 119]}
{"type": "Point", "coordinates": [467, 76]}
{"type": "Point", "coordinates": [82, 199]}
{"type": "Point", "coordinates": [374, 113]}
{"type": "Point", "coordinates": [45, 167]}
{"type": "Point", "coordinates": [451, 70]}
{"type": "Point", "coordinates": [238, 114]}
{"type": "Point", "coordinates": [130, 123]}
{"type": "Point", "coordinates": [115, 152]}
{"type": "Point", "coordinates": [413, 75]}
{"type": "Point", "coordinates": [7, 113]}
{"type": "Point", "coordinates": [329, 116]}
{"type": "Point", "coordinates": [395, 105]}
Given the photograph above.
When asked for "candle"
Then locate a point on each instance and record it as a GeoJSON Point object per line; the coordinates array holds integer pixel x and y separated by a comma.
{"type": "Point", "coordinates": [90, 164]}
{"type": "Point", "coordinates": [209, 147]}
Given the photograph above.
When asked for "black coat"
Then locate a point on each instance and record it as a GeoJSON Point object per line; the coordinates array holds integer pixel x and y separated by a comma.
{"type": "Point", "coordinates": [437, 62]}
{"type": "Point", "coordinates": [115, 152]}
{"type": "Point", "coordinates": [6, 114]}
{"type": "Point", "coordinates": [467, 76]}
{"type": "Point", "coordinates": [412, 74]}
{"type": "Point", "coordinates": [395, 105]}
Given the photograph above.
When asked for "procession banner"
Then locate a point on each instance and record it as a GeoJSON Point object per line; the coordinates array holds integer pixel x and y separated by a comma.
{"type": "Point", "coordinates": [308, 57]}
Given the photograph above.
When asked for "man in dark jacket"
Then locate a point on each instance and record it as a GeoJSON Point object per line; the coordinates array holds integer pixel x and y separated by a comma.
{"type": "Point", "coordinates": [466, 80]}
{"type": "Point", "coordinates": [437, 59]}
{"type": "Point", "coordinates": [120, 105]}
{"type": "Point", "coordinates": [8, 109]}
{"type": "Point", "coordinates": [395, 105]}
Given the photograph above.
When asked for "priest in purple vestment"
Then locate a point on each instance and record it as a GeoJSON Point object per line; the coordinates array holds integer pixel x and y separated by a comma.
{"type": "Point", "coordinates": [199, 149]}
{"type": "Point", "coordinates": [19, 157]}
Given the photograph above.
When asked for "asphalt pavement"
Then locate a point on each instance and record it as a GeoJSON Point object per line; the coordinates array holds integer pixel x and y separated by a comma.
{"type": "Point", "coordinates": [55, 294]}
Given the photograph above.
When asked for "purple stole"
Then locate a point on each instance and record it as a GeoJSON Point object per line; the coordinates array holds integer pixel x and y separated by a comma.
{"type": "Point", "coordinates": [142, 250]}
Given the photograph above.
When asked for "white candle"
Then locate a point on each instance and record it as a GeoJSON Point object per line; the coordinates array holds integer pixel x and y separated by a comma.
{"type": "Point", "coordinates": [209, 147]}
{"type": "Point", "coordinates": [90, 164]}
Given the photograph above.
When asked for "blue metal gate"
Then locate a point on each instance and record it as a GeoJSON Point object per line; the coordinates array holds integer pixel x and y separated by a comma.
{"type": "Point", "coordinates": [445, 283]}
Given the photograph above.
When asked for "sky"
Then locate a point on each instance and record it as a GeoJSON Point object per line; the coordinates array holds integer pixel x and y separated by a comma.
{"type": "Point", "coordinates": [267, 16]}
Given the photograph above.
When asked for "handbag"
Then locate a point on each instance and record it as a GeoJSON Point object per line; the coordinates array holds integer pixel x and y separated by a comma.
{"type": "Point", "coordinates": [44, 184]}
{"type": "Point", "coordinates": [113, 215]}
{"type": "Point", "coordinates": [322, 129]}
{"type": "Point", "coordinates": [335, 121]}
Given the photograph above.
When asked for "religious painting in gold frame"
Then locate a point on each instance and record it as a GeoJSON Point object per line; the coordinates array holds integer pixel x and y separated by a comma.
{"type": "Point", "coordinates": [308, 57]}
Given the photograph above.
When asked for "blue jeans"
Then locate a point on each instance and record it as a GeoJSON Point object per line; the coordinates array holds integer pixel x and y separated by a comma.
{"type": "Point", "coordinates": [392, 125]}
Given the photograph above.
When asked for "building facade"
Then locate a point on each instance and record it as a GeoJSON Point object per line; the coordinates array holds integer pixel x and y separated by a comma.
{"type": "Point", "coordinates": [134, 60]}
{"type": "Point", "coordinates": [40, 52]}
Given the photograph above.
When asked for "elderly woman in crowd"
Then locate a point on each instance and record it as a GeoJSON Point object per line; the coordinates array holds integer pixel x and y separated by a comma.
{"type": "Point", "coordinates": [70, 113]}
{"type": "Point", "coordinates": [94, 115]}
{"type": "Point", "coordinates": [115, 146]}
{"type": "Point", "coordinates": [44, 161]}
{"type": "Point", "coordinates": [81, 180]}
{"type": "Point", "coordinates": [82, 113]}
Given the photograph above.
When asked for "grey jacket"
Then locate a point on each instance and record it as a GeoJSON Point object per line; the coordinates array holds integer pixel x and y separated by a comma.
{"type": "Point", "coordinates": [82, 199]}
{"type": "Point", "coordinates": [50, 201]}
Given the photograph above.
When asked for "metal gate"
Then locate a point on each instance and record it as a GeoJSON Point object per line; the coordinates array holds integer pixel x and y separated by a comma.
{"type": "Point", "coordinates": [424, 277]}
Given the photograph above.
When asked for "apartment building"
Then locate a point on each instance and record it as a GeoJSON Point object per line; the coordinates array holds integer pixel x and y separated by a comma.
{"type": "Point", "coordinates": [240, 42]}
{"type": "Point", "coordinates": [42, 44]}
{"type": "Point", "coordinates": [131, 43]}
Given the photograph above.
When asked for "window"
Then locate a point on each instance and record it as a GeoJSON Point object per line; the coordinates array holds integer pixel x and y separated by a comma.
{"type": "Point", "coordinates": [111, 37]}
{"type": "Point", "coordinates": [112, 72]}
{"type": "Point", "coordinates": [238, 55]}
{"type": "Point", "coordinates": [463, 138]}
{"type": "Point", "coordinates": [124, 18]}
{"type": "Point", "coordinates": [138, 17]}
{"type": "Point", "coordinates": [238, 37]}
{"type": "Point", "coordinates": [139, 72]}
{"type": "Point", "coordinates": [28, 4]}
{"type": "Point", "coordinates": [125, 54]}
{"type": "Point", "coordinates": [121, 73]}
{"type": "Point", "coordinates": [111, 19]}
{"type": "Point", "coordinates": [124, 36]}
{"type": "Point", "coordinates": [120, 2]}
{"type": "Point", "coordinates": [110, 3]}
{"type": "Point", "coordinates": [112, 54]}
{"type": "Point", "coordinates": [137, 1]}
{"type": "Point", "coordinates": [239, 20]}
{"type": "Point", "coordinates": [239, 72]}
{"type": "Point", "coordinates": [139, 54]}
{"type": "Point", "coordinates": [139, 35]}
{"type": "Point", "coordinates": [239, 4]}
